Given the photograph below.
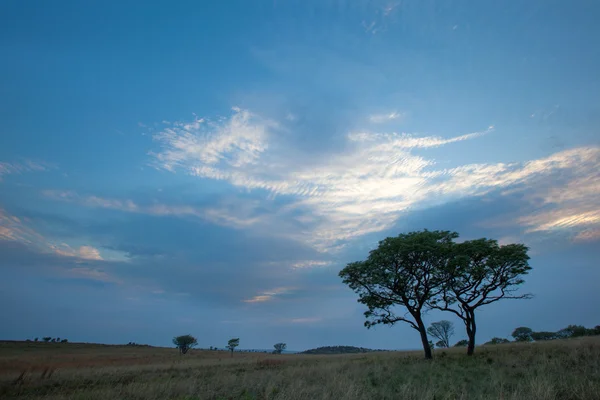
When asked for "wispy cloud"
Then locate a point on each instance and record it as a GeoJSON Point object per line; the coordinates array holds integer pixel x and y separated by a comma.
{"type": "Point", "coordinates": [220, 214]}
{"type": "Point", "coordinates": [361, 191]}
{"type": "Point", "coordinates": [8, 168]}
{"type": "Point", "coordinates": [84, 252]}
{"type": "Point", "coordinates": [310, 320]}
{"type": "Point", "coordinates": [268, 295]}
{"type": "Point", "coordinates": [381, 118]}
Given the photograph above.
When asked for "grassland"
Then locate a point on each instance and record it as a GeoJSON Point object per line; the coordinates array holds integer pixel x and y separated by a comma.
{"type": "Point", "coordinates": [566, 369]}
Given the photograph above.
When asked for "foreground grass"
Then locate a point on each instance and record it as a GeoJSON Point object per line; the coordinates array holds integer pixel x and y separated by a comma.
{"type": "Point", "coordinates": [568, 369]}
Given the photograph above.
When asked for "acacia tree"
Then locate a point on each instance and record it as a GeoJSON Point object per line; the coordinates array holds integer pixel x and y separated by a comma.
{"type": "Point", "coordinates": [184, 343]}
{"type": "Point", "coordinates": [279, 347]}
{"type": "Point", "coordinates": [481, 272]}
{"type": "Point", "coordinates": [232, 344]}
{"type": "Point", "coordinates": [443, 331]}
{"type": "Point", "coordinates": [522, 334]}
{"type": "Point", "coordinates": [401, 273]}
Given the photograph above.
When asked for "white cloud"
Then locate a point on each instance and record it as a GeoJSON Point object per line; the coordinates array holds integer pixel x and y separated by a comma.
{"type": "Point", "coordinates": [311, 264]}
{"type": "Point", "coordinates": [366, 189]}
{"type": "Point", "coordinates": [8, 168]}
{"type": "Point", "coordinates": [268, 295]}
{"type": "Point", "coordinates": [381, 118]}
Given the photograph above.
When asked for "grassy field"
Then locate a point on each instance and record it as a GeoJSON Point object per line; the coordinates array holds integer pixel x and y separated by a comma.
{"type": "Point", "coordinates": [567, 369]}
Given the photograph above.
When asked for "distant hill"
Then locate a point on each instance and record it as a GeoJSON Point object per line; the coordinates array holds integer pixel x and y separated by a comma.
{"type": "Point", "coordinates": [338, 350]}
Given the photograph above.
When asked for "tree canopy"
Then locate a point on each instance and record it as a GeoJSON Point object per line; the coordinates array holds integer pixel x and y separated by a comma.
{"type": "Point", "coordinates": [522, 334]}
{"type": "Point", "coordinates": [409, 274]}
{"type": "Point", "coordinates": [480, 272]}
{"type": "Point", "coordinates": [184, 343]}
{"type": "Point", "coordinates": [232, 344]}
{"type": "Point", "coordinates": [400, 277]}
{"type": "Point", "coordinates": [279, 347]}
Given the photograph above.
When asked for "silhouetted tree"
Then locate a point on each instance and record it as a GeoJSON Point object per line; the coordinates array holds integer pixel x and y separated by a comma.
{"type": "Point", "coordinates": [443, 331]}
{"type": "Point", "coordinates": [184, 343]}
{"type": "Point", "coordinates": [481, 273]}
{"type": "Point", "coordinates": [64, 341]}
{"type": "Point", "coordinates": [522, 334]}
{"type": "Point", "coordinates": [540, 336]}
{"type": "Point", "coordinates": [402, 272]}
{"type": "Point", "coordinates": [462, 343]}
{"type": "Point", "coordinates": [232, 344]}
{"type": "Point", "coordinates": [53, 340]}
{"type": "Point", "coordinates": [498, 340]}
{"type": "Point", "coordinates": [35, 340]}
{"type": "Point", "coordinates": [46, 339]}
{"type": "Point", "coordinates": [279, 347]}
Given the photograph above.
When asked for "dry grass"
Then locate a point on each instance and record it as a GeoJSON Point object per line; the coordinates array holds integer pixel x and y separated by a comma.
{"type": "Point", "coordinates": [568, 369]}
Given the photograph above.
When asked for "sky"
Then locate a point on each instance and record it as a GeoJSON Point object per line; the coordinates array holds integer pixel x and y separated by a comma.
{"type": "Point", "coordinates": [209, 167]}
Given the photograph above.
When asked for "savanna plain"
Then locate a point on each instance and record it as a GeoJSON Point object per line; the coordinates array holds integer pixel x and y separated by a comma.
{"type": "Point", "coordinates": [558, 369]}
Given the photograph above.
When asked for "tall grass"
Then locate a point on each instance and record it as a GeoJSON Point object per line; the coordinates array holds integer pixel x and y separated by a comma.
{"type": "Point", "coordinates": [566, 369]}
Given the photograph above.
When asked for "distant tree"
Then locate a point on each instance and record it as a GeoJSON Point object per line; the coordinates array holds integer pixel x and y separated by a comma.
{"type": "Point", "coordinates": [498, 340]}
{"type": "Point", "coordinates": [596, 330]}
{"type": "Point", "coordinates": [58, 339]}
{"type": "Point", "coordinates": [35, 340]}
{"type": "Point", "coordinates": [573, 331]}
{"type": "Point", "coordinates": [279, 347]}
{"type": "Point", "coordinates": [443, 331]}
{"type": "Point", "coordinates": [522, 334]}
{"type": "Point", "coordinates": [64, 341]}
{"type": "Point", "coordinates": [540, 336]}
{"type": "Point", "coordinates": [53, 340]}
{"type": "Point", "coordinates": [402, 272]}
{"type": "Point", "coordinates": [431, 345]}
{"type": "Point", "coordinates": [440, 344]}
{"type": "Point", "coordinates": [46, 339]}
{"type": "Point", "coordinates": [462, 343]}
{"type": "Point", "coordinates": [481, 272]}
{"type": "Point", "coordinates": [232, 344]}
{"type": "Point", "coordinates": [184, 343]}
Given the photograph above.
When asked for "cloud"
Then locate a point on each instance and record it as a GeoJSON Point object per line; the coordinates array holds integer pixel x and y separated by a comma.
{"type": "Point", "coordinates": [310, 320]}
{"type": "Point", "coordinates": [222, 214]}
{"type": "Point", "coordinates": [311, 264]}
{"type": "Point", "coordinates": [84, 252]}
{"type": "Point", "coordinates": [268, 295]}
{"type": "Point", "coordinates": [92, 274]}
{"type": "Point", "coordinates": [381, 118]}
{"type": "Point", "coordinates": [8, 168]}
{"type": "Point", "coordinates": [363, 190]}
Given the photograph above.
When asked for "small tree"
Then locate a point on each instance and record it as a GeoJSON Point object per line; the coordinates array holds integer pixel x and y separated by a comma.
{"type": "Point", "coordinates": [279, 347]}
{"type": "Point", "coordinates": [522, 334]}
{"type": "Point", "coordinates": [35, 340]}
{"type": "Point", "coordinates": [53, 340]}
{"type": "Point", "coordinates": [232, 344]}
{"type": "Point", "coordinates": [462, 343]}
{"type": "Point", "coordinates": [403, 272]}
{"type": "Point", "coordinates": [64, 341]}
{"type": "Point", "coordinates": [481, 272]}
{"type": "Point", "coordinates": [184, 343]}
{"type": "Point", "coordinates": [58, 339]}
{"type": "Point", "coordinates": [46, 339]}
{"type": "Point", "coordinates": [443, 331]}
{"type": "Point", "coordinates": [498, 340]}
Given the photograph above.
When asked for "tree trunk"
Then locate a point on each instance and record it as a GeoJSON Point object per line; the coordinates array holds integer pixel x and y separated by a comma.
{"type": "Point", "coordinates": [424, 339]}
{"type": "Point", "coordinates": [471, 330]}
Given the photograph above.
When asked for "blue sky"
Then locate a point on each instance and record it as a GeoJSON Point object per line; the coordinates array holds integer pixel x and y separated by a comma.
{"type": "Point", "coordinates": [175, 167]}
